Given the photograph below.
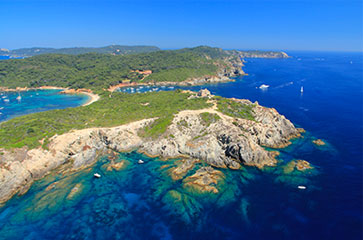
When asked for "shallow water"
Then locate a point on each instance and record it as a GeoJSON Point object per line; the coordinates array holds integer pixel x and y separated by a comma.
{"type": "Point", "coordinates": [36, 101]}
{"type": "Point", "coordinates": [141, 201]}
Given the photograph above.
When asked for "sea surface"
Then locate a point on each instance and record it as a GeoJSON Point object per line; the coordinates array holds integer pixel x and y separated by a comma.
{"type": "Point", "coordinates": [32, 101]}
{"type": "Point", "coordinates": [141, 201]}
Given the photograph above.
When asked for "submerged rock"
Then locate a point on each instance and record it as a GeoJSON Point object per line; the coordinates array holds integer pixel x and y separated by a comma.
{"type": "Point", "coordinates": [182, 168]}
{"type": "Point", "coordinates": [300, 165]}
{"type": "Point", "coordinates": [182, 205]}
{"type": "Point", "coordinates": [319, 142]}
{"type": "Point", "coordinates": [117, 165]}
{"type": "Point", "coordinates": [75, 191]}
{"type": "Point", "coordinates": [205, 180]}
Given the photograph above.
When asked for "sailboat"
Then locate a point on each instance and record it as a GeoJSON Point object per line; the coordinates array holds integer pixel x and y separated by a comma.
{"type": "Point", "coordinates": [302, 89]}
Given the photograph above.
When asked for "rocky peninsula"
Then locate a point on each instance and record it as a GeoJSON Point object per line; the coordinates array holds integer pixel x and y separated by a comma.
{"type": "Point", "coordinates": [214, 135]}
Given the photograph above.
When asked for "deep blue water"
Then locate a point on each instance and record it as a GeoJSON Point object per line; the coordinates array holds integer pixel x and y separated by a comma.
{"type": "Point", "coordinates": [36, 101]}
{"type": "Point", "coordinates": [136, 202]}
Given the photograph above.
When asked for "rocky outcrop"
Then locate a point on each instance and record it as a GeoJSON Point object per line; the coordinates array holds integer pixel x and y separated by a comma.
{"type": "Point", "coordinates": [319, 142]}
{"type": "Point", "coordinates": [225, 142]}
{"type": "Point", "coordinates": [204, 180]}
{"type": "Point", "coordinates": [228, 142]}
{"type": "Point", "coordinates": [299, 165]}
{"type": "Point", "coordinates": [231, 67]}
{"type": "Point", "coordinates": [271, 129]}
{"type": "Point", "coordinates": [182, 168]}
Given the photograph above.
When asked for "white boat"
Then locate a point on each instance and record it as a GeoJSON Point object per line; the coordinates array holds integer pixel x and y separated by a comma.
{"type": "Point", "coordinates": [301, 187]}
{"type": "Point", "coordinates": [264, 86]}
{"type": "Point", "coordinates": [18, 97]}
{"type": "Point", "coordinates": [6, 100]}
{"type": "Point", "coordinates": [140, 162]}
{"type": "Point", "coordinates": [96, 175]}
{"type": "Point", "coordinates": [302, 89]}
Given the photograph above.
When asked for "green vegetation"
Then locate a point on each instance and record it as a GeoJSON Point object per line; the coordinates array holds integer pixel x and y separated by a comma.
{"type": "Point", "coordinates": [157, 128]}
{"type": "Point", "coordinates": [99, 71]}
{"type": "Point", "coordinates": [122, 108]}
{"type": "Point", "coordinates": [209, 118]}
{"type": "Point", "coordinates": [235, 109]}
{"type": "Point", "coordinates": [112, 49]}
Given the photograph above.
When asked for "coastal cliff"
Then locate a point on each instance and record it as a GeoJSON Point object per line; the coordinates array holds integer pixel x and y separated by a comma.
{"type": "Point", "coordinates": [212, 135]}
{"type": "Point", "coordinates": [228, 68]}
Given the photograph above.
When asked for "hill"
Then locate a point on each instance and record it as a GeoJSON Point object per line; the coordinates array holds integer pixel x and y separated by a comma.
{"type": "Point", "coordinates": [99, 71]}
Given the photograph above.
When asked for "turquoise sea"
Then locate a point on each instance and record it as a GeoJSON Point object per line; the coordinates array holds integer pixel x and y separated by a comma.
{"type": "Point", "coordinates": [11, 105]}
{"type": "Point", "coordinates": [141, 201]}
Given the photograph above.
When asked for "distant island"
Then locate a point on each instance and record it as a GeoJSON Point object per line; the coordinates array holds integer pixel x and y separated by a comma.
{"type": "Point", "coordinates": [112, 49]}
{"type": "Point", "coordinates": [224, 133]}
{"type": "Point", "coordinates": [124, 50]}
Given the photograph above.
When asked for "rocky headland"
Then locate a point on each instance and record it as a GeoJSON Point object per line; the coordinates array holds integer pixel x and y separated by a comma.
{"type": "Point", "coordinates": [228, 68]}
{"type": "Point", "coordinates": [220, 141]}
{"type": "Point", "coordinates": [259, 54]}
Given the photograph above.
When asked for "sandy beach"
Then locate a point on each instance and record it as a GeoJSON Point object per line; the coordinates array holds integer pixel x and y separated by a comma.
{"type": "Point", "coordinates": [93, 98]}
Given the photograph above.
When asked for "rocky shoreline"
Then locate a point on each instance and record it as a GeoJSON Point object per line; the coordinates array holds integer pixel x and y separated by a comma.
{"type": "Point", "coordinates": [226, 142]}
{"type": "Point", "coordinates": [232, 68]}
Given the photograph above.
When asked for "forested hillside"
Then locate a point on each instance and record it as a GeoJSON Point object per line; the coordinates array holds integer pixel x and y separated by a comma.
{"type": "Point", "coordinates": [98, 71]}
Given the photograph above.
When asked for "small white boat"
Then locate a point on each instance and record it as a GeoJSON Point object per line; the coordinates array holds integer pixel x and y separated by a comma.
{"type": "Point", "coordinates": [140, 162]}
{"type": "Point", "coordinates": [18, 98]}
{"type": "Point", "coordinates": [302, 89]}
{"type": "Point", "coordinates": [301, 187]}
{"type": "Point", "coordinates": [264, 86]}
{"type": "Point", "coordinates": [96, 175]}
{"type": "Point", "coordinates": [6, 100]}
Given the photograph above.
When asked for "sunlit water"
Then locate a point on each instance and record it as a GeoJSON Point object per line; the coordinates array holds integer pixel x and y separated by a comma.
{"type": "Point", "coordinates": [141, 201]}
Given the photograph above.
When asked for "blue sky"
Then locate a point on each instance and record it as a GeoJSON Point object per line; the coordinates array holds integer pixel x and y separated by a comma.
{"type": "Point", "coordinates": [326, 25]}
